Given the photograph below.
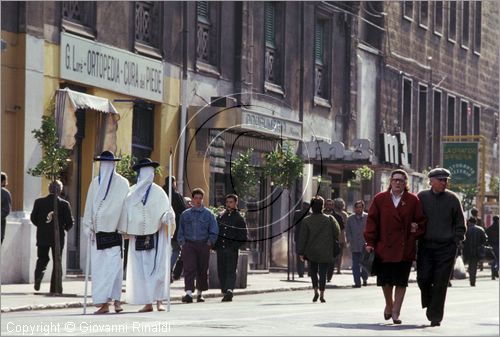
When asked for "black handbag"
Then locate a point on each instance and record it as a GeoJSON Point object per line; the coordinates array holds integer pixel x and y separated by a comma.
{"type": "Point", "coordinates": [368, 262]}
{"type": "Point", "coordinates": [145, 242]}
{"type": "Point", "coordinates": [106, 240]}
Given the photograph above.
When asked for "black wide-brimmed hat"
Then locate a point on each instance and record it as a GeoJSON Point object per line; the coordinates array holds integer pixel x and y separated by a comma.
{"type": "Point", "coordinates": [107, 156]}
{"type": "Point", "coordinates": [145, 163]}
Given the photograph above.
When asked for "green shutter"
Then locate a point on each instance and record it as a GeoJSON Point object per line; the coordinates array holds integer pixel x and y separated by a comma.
{"type": "Point", "coordinates": [203, 10]}
{"type": "Point", "coordinates": [270, 17]}
{"type": "Point", "coordinates": [318, 41]}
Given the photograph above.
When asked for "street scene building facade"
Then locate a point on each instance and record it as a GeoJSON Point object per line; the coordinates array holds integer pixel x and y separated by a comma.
{"type": "Point", "coordinates": [349, 85]}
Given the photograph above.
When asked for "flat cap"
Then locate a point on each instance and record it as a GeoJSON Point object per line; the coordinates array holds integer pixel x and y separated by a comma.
{"type": "Point", "coordinates": [439, 172]}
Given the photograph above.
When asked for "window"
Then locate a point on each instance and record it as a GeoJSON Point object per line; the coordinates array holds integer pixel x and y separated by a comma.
{"type": "Point", "coordinates": [79, 17]}
{"type": "Point", "coordinates": [452, 21]}
{"type": "Point", "coordinates": [477, 26]}
{"type": "Point", "coordinates": [423, 16]}
{"type": "Point", "coordinates": [436, 129]}
{"type": "Point", "coordinates": [143, 130]}
{"type": "Point", "coordinates": [465, 117]}
{"type": "Point", "coordinates": [465, 24]}
{"type": "Point", "coordinates": [408, 10]}
{"type": "Point", "coordinates": [438, 18]}
{"type": "Point", "coordinates": [451, 116]}
{"type": "Point", "coordinates": [273, 47]}
{"type": "Point", "coordinates": [148, 27]}
{"type": "Point", "coordinates": [321, 63]}
{"type": "Point", "coordinates": [477, 121]}
{"type": "Point", "coordinates": [422, 126]}
{"type": "Point", "coordinates": [407, 109]}
{"type": "Point", "coordinates": [207, 37]}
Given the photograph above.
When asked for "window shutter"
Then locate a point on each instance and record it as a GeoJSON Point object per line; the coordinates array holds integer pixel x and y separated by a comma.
{"type": "Point", "coordinates": [203, 10]}
{"type": "Point", "coordinates": [318, 41]}
{"type": "Point", "coordinates": [270, 21]}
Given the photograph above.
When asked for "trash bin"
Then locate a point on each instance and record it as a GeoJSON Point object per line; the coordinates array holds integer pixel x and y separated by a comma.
{"type": "Point", "coordinates": [241, 271]}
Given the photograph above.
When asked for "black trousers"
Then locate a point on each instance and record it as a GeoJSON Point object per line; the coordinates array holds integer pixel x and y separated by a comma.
{"type": "Point", "coordinates": [227, 262]}
{"type": "Point", "coordinates": [43, 261]}
{"type": "Point", "coordinates": [434, 268]}
{"type": "Point", "coordinates": [4, 224]}
{"type": "Point", "coordinates": [321, 269]}
{"type": "Point", "coordinates": [473, 263]}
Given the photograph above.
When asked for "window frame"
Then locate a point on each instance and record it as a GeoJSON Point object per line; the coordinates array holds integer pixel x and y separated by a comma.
{"type": "Point", "coordinates": [325, 99]}
{"type": "Point", "coordinates": [405, 16]}
{"type": "Point", "coordinates": [454, 97]}
{"type": "Point", "coordinates": [462, 45]}
{"type": "Point", "coordinates": [212, 67]}
{"type": "Point", "coordinates": [477, 50]}
{"type": "Point", "coordinates": [278, 85]}
{"type": "Point", "coordinates": [80, 28]}
{"type": "Point", "coordinates": [450, 38]}
{"type": "Point", "coordinates": [420, 24]}
{"type": "Point", "coordinates": [409, 132]}
{"type": "Point", "coordinates": [436, 32]}
{"type": "Point", "coordinates": [467, 123]}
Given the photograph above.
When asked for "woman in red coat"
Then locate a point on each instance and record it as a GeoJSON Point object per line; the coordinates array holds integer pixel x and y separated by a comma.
{"type": "Point", "coordinates": [395, 221]}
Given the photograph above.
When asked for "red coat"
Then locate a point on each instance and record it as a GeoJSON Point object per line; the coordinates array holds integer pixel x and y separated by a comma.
{"type": "Point", "coordinates": [388, 228]}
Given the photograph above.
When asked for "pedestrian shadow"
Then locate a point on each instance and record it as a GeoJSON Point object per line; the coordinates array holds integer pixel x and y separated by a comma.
{"type": "Point", "coordinates": [371, 326]}
{"type": "Point", "coordinates": [286, 303]}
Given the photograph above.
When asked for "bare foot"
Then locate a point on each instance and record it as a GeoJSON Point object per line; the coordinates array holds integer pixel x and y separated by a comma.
{"type": "Point", "coordinates": [147, 308]}
{"type": "Point", "coordinates": [159, 306]}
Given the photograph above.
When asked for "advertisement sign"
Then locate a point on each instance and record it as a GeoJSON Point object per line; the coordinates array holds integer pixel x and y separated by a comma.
{"type": "Point", "coordinates": [99, 65]}
{"type": "Point", "coordinates": [461, 158]}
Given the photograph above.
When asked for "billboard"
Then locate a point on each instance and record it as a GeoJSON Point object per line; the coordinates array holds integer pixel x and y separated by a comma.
{"type": "Point", "coordinates": [461, 158]}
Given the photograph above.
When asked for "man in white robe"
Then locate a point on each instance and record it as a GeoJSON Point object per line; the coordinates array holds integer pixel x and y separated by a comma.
{"type": "Point", "coordinates": [105, 199]}
{"type": "Point", "coordinates": [145, 218]}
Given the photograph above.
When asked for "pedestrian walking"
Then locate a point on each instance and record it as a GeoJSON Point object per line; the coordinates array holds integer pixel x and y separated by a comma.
{"type": "Point", "coordinates": [179, 206]}
{"type": "Point", "coordinates": [354, 229]}
{"type": "Point", "coordinates": [316, 245]}
{"type": "Point", "coordinates": [437, 249]}
{"type": "Point", "coordinates": [233, 234]}
{"type": "Point", "coordinates": [473, 251]}
{"type": "Point", "coordinates": [6, 203]}
{"type": "Point", "coordinates": [298, 216]}
{"type": "Point", "coordinates": [340, 215]}
{"type": "Point", "coordinates": [105, 198]}
{"type": "Point", "coordinates": [395, 222]}
{"type": "Point", "coordinates": [144, 219]}
{"type": "Point", "coordinates": [197, 234]}
{"type": "Point", "coordinates": [42, 217]}
{"type": "Point", "coordinates": [493, 236]}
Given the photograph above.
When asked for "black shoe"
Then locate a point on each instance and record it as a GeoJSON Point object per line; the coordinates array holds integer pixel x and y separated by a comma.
{"type": "Point", "coordinates": [200, 299]}
{"type": "Point", "coordinates": [356, 286]}
{"type": "Point", "coordinates": [472, 284]}
{"type": "Point", "coordinates": [38, 281]}
{"type": "Point", "coordinates": [435, 323]}
{"type": "Point", "coordinates": [365, 283]}
{"type": "Point", "coordinates": [322, 299]}
{"type": "Point", "coordinates": [315, 298]}
{"type": "Point", "coordinates": [228, 297]}
{"type": "Point", "coordinates": [187, 299]}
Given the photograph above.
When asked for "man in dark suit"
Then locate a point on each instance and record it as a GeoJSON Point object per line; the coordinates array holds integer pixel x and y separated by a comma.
{"type": "Point", "coordinates": [42, 218]}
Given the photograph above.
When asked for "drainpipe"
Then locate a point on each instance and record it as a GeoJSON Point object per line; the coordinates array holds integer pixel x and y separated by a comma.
{"type": "Point", "coordinates": [182, 141]}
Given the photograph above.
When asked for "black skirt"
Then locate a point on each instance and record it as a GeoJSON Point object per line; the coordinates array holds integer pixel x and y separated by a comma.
{"type": "Point", "coordinates": [393, 273]}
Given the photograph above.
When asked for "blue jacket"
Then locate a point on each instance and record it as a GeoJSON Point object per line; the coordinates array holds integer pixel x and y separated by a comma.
{"type": "Point", "coordinates": [197, 224]}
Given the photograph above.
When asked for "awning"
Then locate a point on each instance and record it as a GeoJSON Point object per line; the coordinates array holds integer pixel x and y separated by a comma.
{"type": "Point", "coordinates": [68, 101]}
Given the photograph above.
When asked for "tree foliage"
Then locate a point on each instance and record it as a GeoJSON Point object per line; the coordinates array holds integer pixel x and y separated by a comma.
{"type": "Point", "coordinates": [283, 166]}
{"type": "Point", "coordinates": [55, 159]}
{"type": "Point", "coordinates": [244, 176]}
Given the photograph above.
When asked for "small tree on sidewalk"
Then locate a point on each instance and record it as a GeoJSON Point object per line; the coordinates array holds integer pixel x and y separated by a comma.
{"type": "Point", "coordinates": [54, 161]}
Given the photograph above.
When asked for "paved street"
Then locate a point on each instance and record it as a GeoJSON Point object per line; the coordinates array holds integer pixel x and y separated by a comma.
{"type": "Point", "coordinates": [469, 311]}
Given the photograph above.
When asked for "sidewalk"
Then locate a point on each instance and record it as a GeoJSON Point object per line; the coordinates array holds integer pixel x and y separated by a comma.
{"type": "Point", "coordinates": [22, 297]}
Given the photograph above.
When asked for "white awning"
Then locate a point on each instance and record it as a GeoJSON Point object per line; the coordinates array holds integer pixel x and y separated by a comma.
{"type": "Point", "coordinates": [68, 101]}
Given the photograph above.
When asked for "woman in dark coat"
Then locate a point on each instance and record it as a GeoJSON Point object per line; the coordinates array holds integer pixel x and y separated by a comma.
{"type": "Point", "coordinates": [316, 244]}
{"type": "Point", "coordinates": [395, 221]}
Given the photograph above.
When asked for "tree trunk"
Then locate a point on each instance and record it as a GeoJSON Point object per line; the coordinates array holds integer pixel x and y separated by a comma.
{"type": "Point", "coordinates": [56, 281]}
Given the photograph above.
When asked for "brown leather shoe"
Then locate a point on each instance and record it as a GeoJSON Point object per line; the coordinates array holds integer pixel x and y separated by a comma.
{"type": "Point", "coordinates": [104, 309]}
{"type": "Point", "coordinates": [146, 308]}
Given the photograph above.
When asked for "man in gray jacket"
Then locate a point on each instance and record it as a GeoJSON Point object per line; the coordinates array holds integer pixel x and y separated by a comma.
{"type": "Point", "coordinates": [354, 228]}
{"type": "Point", "coordinates": [438, 247]}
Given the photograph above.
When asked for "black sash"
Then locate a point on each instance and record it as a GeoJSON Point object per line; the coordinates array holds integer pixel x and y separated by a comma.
{"type": "Point", "coordinates": [106, 240]}
{"type": "Point", "coordinates": [145, 242]}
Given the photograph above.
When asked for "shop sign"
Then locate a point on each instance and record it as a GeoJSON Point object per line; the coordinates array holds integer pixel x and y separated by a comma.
{"type": "Point", "coordinates": [461, 158]}
{"type": "Point", "coordinates": [257, 121]}
{"type": "Point", "coordinates": [99, 65]}
{"type": "Point", "coordinates": [321, 150]}
{"type": "Point", "coordinates": [395, 149]}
